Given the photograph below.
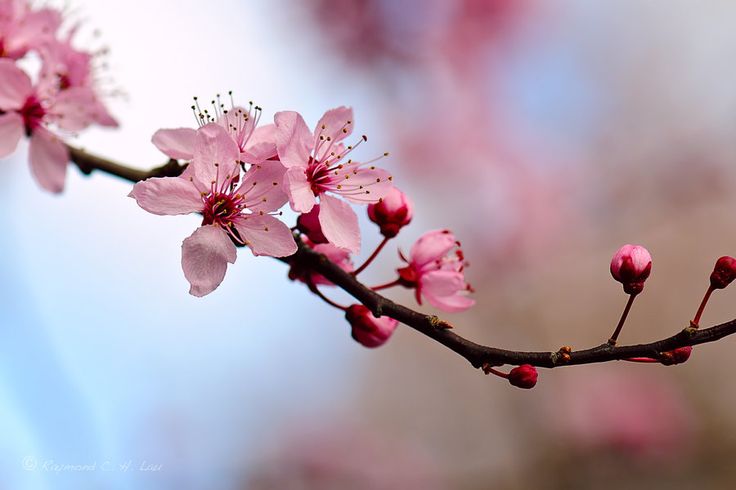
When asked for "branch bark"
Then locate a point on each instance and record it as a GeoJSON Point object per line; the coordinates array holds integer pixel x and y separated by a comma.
{"type": "Point", "coordinates": [433, 327]}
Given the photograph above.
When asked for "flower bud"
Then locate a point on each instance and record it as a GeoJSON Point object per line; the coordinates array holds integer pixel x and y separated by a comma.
{"type": "Point", "coordinates": [367, 329]}
{"type": "Point", "coordinates": [631, 266]}
{"type": "Point", "coordinates": [524, 376]}
{"type": "Point", "coordinates": [391, 213]}
{"type": "Point", "coordinates": [724, 272]}
{"type": "Point", "coordinates": [677, 356]}
{"type": "Point", "coordinates": [308, 223]}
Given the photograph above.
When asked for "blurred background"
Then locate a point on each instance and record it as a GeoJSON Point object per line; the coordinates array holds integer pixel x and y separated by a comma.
{"type": "Point", "coordinates": [545, 134]}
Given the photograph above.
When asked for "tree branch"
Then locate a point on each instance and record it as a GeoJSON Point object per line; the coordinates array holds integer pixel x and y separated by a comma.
{"type": "Point", "coordinates": [430, 325]}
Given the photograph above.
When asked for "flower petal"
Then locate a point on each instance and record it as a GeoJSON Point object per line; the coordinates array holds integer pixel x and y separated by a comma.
{"type": "Point", "coordinates": [261, 145]}
{"type": "Point", "coordinates": [294, 141]}
{"type": "Point", "coordinates": [339, 223]}
{"type": "Point", "coordinates": [34, 29]}
{"type": "Point", "coordinates": [15, 86]}
{"type": "Point", "coordinates": [263, 187]}
{"type": "Point", "coordinates": [337, 124]}
{"type": "Point", "coordinates": [266, 235]}
{"type": "Point", "coordinates": [48, 157]}
{"type": "Point", "coordinates": [216, 156]}
{"type": "Point", "coordinates": [445, 290]}
{"type": "Point", "coordinates": [204, 258]}
{"type": "Point", "coordinates": [167, 196]}
{"type": "Point", "coordinates": [176, 143]}
{"type": "Point", "coordinates": [11, 131]}
{"type": "Point", "coordinates": [299, 190]}
{"type": "Point", "coordinates": [74, 108]}
{"type": "Point", "coordinates": [431, 246]}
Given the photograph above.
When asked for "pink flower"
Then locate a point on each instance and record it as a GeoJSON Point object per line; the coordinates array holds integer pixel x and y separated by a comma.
{"type": "Point", "coordinates": [631, 266]}
{"type": "Point", "coordinates": [436, 272]}
{"type": "Point", "coordinates": [65, 67]}
{"type": "Point", "coordinates": [367, 329]}
{"type": "Point", "coordinates": [23, 110]}
{"type": "Point", "coordinates": [336, 255]}
{"type": "Point", "coordinates": [392, 212]}
{"type": "Point", "coordinates": [23, 29]}
{"type": "Point", "coordinates": [234, 210]}
{"type": "Point", "coordinates": [317, 167]}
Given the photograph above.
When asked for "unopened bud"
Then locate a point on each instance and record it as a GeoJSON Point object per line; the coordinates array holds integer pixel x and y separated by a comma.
{"type": "Point", "coordinates": [524, 376]}
{"type": "Point", "coordinates": [367, 329]}
{"type": "Point", "coordinates": [631, 266]}
{"type": "Point", "coordinates": [724, 272]}
{"type": "Point", "coordinates": [391, 213]}
{"type": "Point", "coordinates": [308, 223]}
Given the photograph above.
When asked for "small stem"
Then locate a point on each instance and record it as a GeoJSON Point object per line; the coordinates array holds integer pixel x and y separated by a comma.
{"type": "Point", "coordinates": [614, 337]}
{"type": "Point", "coordinates": [696, 320]}
{"type": "Point", "coordinates": [642, 359]}
{"type": "Point", "coordinates": [496, 372]}
{"type": "Point", "coordinates": [373, 256]}
{"type": "Point", "coordinates": [391, 284]}
{"type": "Point", "coordinates": [313, 287]}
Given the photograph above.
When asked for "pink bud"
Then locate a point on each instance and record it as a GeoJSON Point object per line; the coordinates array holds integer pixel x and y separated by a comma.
{"type": "Point", "coordinates": [367, 329]}
{"type": "Point", "coordinates": [724, 272]}
{"type": "Point", "coordinates": [524, 376]}
{"type": "Point", "coordinates": [631, 266]}
{"type": "Point", "coordinates": [391, 213]}
{"type": "Point", "coordinates": [308, 223]}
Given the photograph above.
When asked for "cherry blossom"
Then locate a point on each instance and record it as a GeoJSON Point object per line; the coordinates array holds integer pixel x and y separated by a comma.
{"type": "Point", "coordinates": [318, 167]}
{"type": "Point", "coordinates": [65, 67]}
{"type": "Point", "coordinates": [29, 110]}
{"type": "Point", "coordinates": [436, 271]}
{"type": "Point", "coordinates": [234, 210]}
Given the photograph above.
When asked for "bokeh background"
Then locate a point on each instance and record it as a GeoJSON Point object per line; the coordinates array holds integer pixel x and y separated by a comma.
{"type": "Point", "coordinates": [545, 134]}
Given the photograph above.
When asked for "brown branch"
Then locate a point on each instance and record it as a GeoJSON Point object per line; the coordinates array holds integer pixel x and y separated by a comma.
{"type": "Point", "coordinates": [430, 325]}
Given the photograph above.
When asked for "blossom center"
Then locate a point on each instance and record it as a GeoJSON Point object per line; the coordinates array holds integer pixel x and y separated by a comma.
{"type": "Point", "coordinates": [221, 209]}
{"type": "Point", "coordinates": [32, 113]}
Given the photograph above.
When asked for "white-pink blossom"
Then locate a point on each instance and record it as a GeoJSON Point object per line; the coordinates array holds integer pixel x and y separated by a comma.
{"type": "Point", "coordinates": [318, 168]}
{"type": "Point", "coordinates": [236, 207]}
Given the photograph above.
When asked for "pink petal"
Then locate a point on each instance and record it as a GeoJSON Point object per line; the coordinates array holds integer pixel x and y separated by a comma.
{"type": "Point", "coordinates": [262, 187]}
{"type": "Point", "coordinates": [167, 196]}
{"type": "Point", "coordinates": [103, 117]}
{"type": "Point", "coordinates": [11, 131]}
{"type": "Point", "coordinates": [363, 185]}
{"type": "Point", "coordinates": [34, 29]}
{"type": "Point", "coordinates": [299, 190]}
{"type": "Point", "coordinates": [445, 290]}
{"type": "Point", "coordinates": [74, 108]}
{"type": "Point", "coordinates": [176, 143]}
{"type": "Point", "coordinates": [204, 258]}
{"type": "Point", "coordinates": [48, 157]}
{"type": "Point", "coordinates": [339, 223]}
{"type": "Point", "coordinates": [334, 124]}
{"type": "Point", "coordinates": [432, 246]}
{"type": "Point", "coordinates": [266, 235]}
{"type": "Point", "coordinates": [262, 144]}
{"type": "Point", "coordinates": [294, 141]}
{"type": "Point", "coordinates": [213, 146]}
{"type": "Point", "coordinates": [15, 86]}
